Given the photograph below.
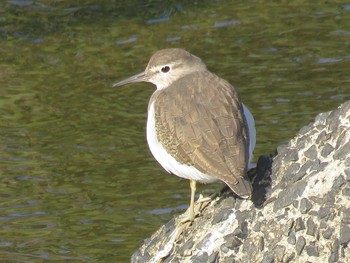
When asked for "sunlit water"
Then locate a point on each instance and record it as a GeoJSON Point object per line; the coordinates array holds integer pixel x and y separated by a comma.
{"type": "Point", "coordinates": [77, 179]}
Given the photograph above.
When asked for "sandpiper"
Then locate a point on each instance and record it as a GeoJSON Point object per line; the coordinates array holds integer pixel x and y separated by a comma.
{"type": "Point", "coordinates": [197, 127]}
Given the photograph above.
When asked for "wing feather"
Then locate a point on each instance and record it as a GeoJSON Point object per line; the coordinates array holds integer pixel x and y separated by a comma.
{"type": "Point", "coordinates": [201, 124]}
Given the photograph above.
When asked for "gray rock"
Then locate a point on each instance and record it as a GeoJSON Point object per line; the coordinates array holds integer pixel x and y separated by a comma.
{"type": "Point", "coordinates": [224, 248]}
{"type": "Point", "coordinates": [268, 258]}
{"type": "Point", "coordinates": [347, 171]}
{"type": "Point", "coordinates": [327, 149]}
{"type": "Point", "coordinates": [338, 182]}
{"type": "Point", "coordinates": [289, 258]}
{"type": "Point", "coordinates": [342, 152]}
{"type": "Point", "coordinates": [296, 202]}
{"type": "Point", "coordinates": [346, 216]}
{"type": "Point", "coordinates": [261, 244]}
{"type": "Point", "coordinates": [203, 257]}
{"type": "Point", "coordinates": [299, 246]}
{"type": "Point", "coordinates": [287, 197]}
{"type": "Point", "coordinates": [290, 174]}
{"type": "Point", "coordinates": [334, 257]}
{"type": "Point", "coordinates": [279, 252]}
{"type": "Point", "coordinates": [344, 235]}
{"type": "Point", "coordinates": [328, 233]}
{"type": "Point", "coordinates": [324, 212]}
{"type": "Point", "coordinates": [312, 250]}
{"type": "Point", "coordinates": [311, 227]}
{"type": "Point", "coordinates": [311, 153]}
{"type": "Point", "coordinates": [222, 215]}
{"type": "Point", "coordinates": [232, 242]}
{"type": "Point", "coordinates": [257, 227]}
{"type": "Point", "coordinates": [292, 156]}
{"type": "Point", "coordinates": [214, 257]}
{"type": "Point", "coordinates": [346, 191]}
{"type": "Point", "coordinates": [322, 137]}
{"type": "Point", "coordinates": [299, 224]}
{"type": "Point", "coordinates": [288, 227]}
{"type": "Point", "coordinates": [292, 239]}
{"type": "Point", "coordinates": [305, 206]}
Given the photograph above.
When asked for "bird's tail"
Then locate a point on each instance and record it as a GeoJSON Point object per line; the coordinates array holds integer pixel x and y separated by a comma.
{"type": "Point", "coordinates": [242, 188]}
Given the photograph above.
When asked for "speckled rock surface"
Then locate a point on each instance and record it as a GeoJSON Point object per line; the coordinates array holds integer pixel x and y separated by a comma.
{"type": "Point", "coordinates": [300, 210]}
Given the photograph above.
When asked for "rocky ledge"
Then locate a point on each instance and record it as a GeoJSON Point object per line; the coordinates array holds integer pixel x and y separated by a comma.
{"type": "Point", "coordinates": [300, 210]}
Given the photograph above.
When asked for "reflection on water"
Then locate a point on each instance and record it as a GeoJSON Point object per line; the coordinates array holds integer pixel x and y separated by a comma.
{"type": "Point", "coordinates": [77, 179]}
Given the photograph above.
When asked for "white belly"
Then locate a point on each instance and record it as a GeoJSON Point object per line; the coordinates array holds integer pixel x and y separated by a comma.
{"type": "Point", "coordinates": [171, 165]}
{"type": "Point", "coordinates": [166, 160]}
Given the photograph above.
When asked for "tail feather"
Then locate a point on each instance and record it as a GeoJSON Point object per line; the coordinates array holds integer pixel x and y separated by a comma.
{"type": "Point", "coordinates": [242, 188]}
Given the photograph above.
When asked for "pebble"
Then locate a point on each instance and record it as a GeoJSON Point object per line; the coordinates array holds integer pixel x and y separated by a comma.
{"type": "Point", "coordinates": [261, 244]}
{"type": "Point", "coordinates": [268, 258]}
{"type": "Point", "coordinates": [299, 246]}
{"type": "Point", "coordinates": [344, 235]}
{"type": "Point", "coordinates": [203, 257]}
{"type": "Point", "coordinates": [334, 257]}
{"type": "Point", "coordinates": [299, 224]}
{"type": "Point", "coordinates": [214, 257]}
{"type": "Point", "coordinates": [311, 227]}
{"type": "Point", "coordinates": [312, 250]}
{"type": "Point", "coordinates": [328, 233]}
{"type": "Point", "coordinates": [311, 153]}
{"type": "Point", "coordinates": [232, 242]}
{"type": "Point", "coordinates": [327, 149]}
{"type": "Point", "coordinates": [287, 197]}
{"type": "Point", "coordinates": [279, 252]}
{"type": "Point", "coordinates": [324, 212]}
{"type": "Point", "coordinates": [305, 206]}
{"type": "Point", "coordinates": [339, 181]}
{"type": "Point", "coordinates": [291, 238]}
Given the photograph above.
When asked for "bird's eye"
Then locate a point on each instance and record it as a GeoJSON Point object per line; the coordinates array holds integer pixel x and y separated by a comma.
{"type": "Point", "coordinates": [165, 69]}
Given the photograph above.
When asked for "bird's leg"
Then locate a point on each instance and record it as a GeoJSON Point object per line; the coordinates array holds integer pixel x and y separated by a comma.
{"type": "Point", "coordinates": [189, 214]}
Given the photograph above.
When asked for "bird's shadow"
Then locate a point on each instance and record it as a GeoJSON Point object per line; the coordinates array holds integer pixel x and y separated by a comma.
{"type": "Point", "coordinates": [261, 180]}
{"type": "Point", "coordinates": [260, 176]}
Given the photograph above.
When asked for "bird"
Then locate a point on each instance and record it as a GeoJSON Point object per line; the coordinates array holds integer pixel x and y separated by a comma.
{"type": "Point", "coordinates": [197, 127]}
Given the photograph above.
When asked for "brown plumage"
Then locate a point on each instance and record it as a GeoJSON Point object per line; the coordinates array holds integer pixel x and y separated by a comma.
{"type": "Point", "coordinates": [196, 128]}
{"type": "Point", "coordinates": [202, 125]}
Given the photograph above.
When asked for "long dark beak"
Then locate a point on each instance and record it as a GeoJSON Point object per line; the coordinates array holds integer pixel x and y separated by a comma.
{"type": "Point", "coordinates": [136, 78]}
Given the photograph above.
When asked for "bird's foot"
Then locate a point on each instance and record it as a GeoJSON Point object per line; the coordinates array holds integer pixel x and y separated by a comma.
{"type": "Point", "coordinates": [188, 216]}
{"type": "Point", "coordinates": [192, 213]}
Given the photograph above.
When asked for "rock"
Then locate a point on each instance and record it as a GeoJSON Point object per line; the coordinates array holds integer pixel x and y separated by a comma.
{"type": "Point", "coordinates": [344, 235]}
{"type": "Point", "coordinates": [311, 227]}
{"type": "Point", "coordinates": [328, 233]}
{"type": "Point", "coordinates": [299, 212]}
{"type": "Point", "coordinates": [327, 149]}
{"type": "Point", "coordinates": [334, 257]}
{"type": "Point", "coordinates": [268, 258]}
{"type": "Point", "coordinates": [338, 182]}
{"type": "Point", "coordinates": [299, 246]}
{"type": "Point", "coordinates": [213, 257]}
{"type": "Point", "coordinates": [299, 224]}
{"type": "Point", "coordinates": [200, 258]}
{"type": "Point", "coordinates": [311, 153]}
{"type": "Point", "coordinates": [291, 239]}
{"type": "Point", "coordinates": [312, 250]}
{"type": "Point", "coordinates": [305, 206]}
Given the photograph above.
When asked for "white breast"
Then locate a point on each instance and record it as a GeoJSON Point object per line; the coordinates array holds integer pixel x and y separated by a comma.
{"type": "Point", "coordinates": [166, 160]}
{"type": "Point", "coordinates": [172, 166]}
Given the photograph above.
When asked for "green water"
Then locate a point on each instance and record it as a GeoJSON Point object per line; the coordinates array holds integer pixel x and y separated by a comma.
{"type": "Point", "coordinates": [77, 181]}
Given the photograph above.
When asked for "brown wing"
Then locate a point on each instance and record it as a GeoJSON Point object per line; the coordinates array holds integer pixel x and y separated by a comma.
{"type": "Point", "coordinates": [199, 120]}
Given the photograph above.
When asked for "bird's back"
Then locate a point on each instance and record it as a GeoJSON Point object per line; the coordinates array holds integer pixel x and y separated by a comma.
{"type": "Point", "coordinates": [199, 121]}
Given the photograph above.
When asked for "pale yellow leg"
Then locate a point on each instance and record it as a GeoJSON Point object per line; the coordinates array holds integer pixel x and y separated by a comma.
{"type": "Point", "coordinates": [189, 214]}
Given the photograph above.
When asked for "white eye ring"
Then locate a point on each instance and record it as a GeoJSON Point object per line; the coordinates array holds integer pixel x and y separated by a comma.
{"type": "Point", "coordinates": [165, 69]}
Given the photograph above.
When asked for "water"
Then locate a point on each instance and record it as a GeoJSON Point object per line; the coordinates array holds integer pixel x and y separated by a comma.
{"type": "Point", "coordinates": [77, 180]}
